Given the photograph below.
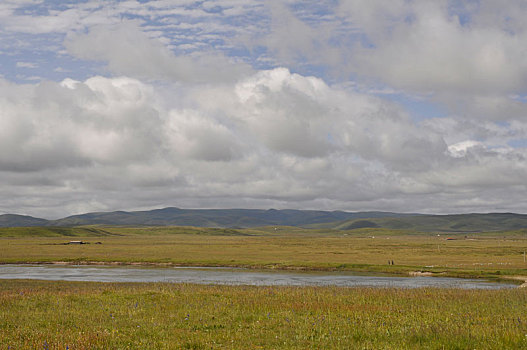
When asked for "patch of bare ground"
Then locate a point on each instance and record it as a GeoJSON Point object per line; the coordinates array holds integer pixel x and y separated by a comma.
{"type": "Point", "coordinates": [424, 273]}
{"type": "Point", "coordinates": [519, 278]}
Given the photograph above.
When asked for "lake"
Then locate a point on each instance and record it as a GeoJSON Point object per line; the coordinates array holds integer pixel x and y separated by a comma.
{"type": "Point", "coordinates": [233, 276]}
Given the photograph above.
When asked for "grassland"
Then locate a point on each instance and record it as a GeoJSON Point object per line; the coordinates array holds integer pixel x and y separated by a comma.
{"type": "Point", "coordinates": [494, 254]}
{"type": "Point", "coordinates": [74, 315]}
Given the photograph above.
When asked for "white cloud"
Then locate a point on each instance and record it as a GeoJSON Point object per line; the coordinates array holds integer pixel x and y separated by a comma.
{"type": "Point", "coordinates": [435, 52]}
{"type": "Point", "coordinates": [290, 37]}
{"type": "Point", "coordinates": [57, 125]}
{"type": "Point", "coordinates": [199, 137]}
{"type": "Point", "coordinates": [205, 129]}
{"type": "Point", "coordinates": [26, 65]}
{"type": "Point", "coordinates": [460, 149]}
{"type": "Point", "coordinates": [273, 138]}
{"type": "Point", "coordinates": [128, 50]}
{"type": "Point", "coordinates": [465, 56]}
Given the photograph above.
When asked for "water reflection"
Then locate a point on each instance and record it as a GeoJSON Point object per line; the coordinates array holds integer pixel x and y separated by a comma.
{"type": "Point", "coordinates": [233, 277]}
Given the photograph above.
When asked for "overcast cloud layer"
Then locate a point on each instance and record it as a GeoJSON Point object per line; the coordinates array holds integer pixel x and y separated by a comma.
{"type": "Point", "coordinates": [407, 106]}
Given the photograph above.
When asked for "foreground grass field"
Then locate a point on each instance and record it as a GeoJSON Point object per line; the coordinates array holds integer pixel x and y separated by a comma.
{"type": "Point", "coordinates": [474, 255]}
{"type": "Point", "coordinates": [71, 315]}
{"type": "Point", "coordinates": [74, 315]}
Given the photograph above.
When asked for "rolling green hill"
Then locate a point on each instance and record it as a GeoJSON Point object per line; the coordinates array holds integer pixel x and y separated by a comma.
{"type": "Point", "coordinates": [441, 223]}
{"type": "Point", "coordinates": [13, 220]}
{"type": "Point", "coordinates": [197, 217]}
{"type": "Point", "coordinates": [42, 231]}
{"type": "Point", "coordinates": [250, 218]}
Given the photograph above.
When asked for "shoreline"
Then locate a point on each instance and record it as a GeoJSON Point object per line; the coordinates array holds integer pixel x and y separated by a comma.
{"type": "Point", "coordinates": [374, 270]}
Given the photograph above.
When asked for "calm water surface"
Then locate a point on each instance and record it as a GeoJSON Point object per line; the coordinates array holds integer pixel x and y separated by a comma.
{"type": "Point", "coordinates": [232, 276]}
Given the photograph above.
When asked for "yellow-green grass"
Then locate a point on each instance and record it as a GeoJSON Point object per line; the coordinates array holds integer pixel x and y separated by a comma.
{"type": "Point", "coordinates": [83, 315]}
{"type": "Point", "coordinates": [483, 255]}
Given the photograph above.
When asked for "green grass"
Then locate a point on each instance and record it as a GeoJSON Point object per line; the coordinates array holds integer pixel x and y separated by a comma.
{"type": "Point", "coordinates": [181, 316]}
{"type": "Point", "coordinates": [474, 255]}
{"type": "Point", "coordinates": [437, 223]}
{"type": "Point", "coordinates": [56, 315]}
{"type": "Point", "coordinates": [45, 231]}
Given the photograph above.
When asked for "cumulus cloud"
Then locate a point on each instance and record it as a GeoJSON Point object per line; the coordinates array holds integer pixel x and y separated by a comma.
{"type": "Point", "coordinates": [289, 36]}
{"type": "Point", "coordinates": [305, 117]}
{"type": "Point", "coordinates": [184, 114]}
{"type": "Point", "coordinates": [466, 56]}
{"type": "Point", "coordinates": [433, 46]}
{"type": "Point", "coordinates": [199, 137]}
{"type": "Point", "coordinates": [68, 123]}
{"type": "Point", "coordinates": [128, 50]}
{"type": "Point", "coordinates": [273, 138]}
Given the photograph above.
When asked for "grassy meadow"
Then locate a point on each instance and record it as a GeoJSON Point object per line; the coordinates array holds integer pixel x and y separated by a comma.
{"type": "Point", "coordinates": [82, 315]}
{"type": "Point", "coordinates": [493, 255]}
{"type": "Point", "coordinates": [86, 315]}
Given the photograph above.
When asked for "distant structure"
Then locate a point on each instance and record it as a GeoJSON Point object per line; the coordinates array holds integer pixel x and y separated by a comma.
{"type": "Point", "coordinates": [76, 242]}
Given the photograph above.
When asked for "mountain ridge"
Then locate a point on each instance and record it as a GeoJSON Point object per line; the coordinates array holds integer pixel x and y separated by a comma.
{"type": "Point", "coordinates": [173, 216]}
{"type": "Point", "coordinates": [246, 218]}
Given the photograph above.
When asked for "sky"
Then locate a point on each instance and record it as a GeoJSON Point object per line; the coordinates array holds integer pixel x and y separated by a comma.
{"type": "Point", "coordinates": [355, 105]}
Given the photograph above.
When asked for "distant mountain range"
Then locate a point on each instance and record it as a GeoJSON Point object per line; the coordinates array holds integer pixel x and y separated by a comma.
{"type": "Point", "coordinates": [243, 218]}
{"type": "Point", "coordinates": [13, 220]}
{"type": "Point", "coordinates": [197, 217]}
